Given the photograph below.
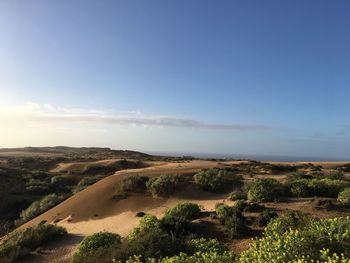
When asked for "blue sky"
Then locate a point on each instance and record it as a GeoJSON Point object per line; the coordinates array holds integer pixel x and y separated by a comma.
{"type": "Point", "coordinates": [251, 77]}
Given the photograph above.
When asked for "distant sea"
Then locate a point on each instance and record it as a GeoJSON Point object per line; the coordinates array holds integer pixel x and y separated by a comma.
{"type": "Point", "coordinates": [273, 158]}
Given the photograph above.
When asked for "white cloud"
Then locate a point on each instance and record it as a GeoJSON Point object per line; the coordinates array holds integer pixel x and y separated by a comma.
{"type": "Point", "coordinates": [36, 113]}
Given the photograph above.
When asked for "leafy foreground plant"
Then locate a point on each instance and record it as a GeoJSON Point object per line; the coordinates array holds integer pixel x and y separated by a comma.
{"type": "Point", "coordinates": [22, 243]}
{"type": "Point", "coordinates": [96, 246]}
{"type": "Point", "coordinates": [320, 240]}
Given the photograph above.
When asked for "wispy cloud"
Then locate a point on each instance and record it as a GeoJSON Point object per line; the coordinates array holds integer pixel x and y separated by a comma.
{"type": "Point", "coordinates": [33, 112]}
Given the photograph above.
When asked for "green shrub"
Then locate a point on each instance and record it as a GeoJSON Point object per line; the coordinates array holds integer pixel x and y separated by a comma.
{"type": "Point", "coordinates": [21, 242]}
{"type": "Point", "coordinates": [327, 187]}
{"type": "Point", "coordinates": [235, 227]}
{"type": "Point", "coordinates": [215, 180]}
{"type": "Point", "coordinates": [344, 197]}
{"type": "Point", "coordinates": [39, 207]}
{"type": "Point", "coordinates": [314, 241]}
{"type": "Point", "coordinates": [93, 246]}
{"type": "Point", "coordinates": [186, 210]}
{"type": "Point", "coordinates": [265, 217]}
{"type": "Point", "coordinates": [224, 212]}
{"type": "Point", "coordinates": [334, 175]}
{"type": "Point", "coordinates": [164, 185]}
{"type": "Point", "coordinates": [205, 245]}
{"type": "Point", "coordinates": [241, 205]}
{"type": "Point", "coordinates": [300, 188]}
{"type": "Point", "coordinates": [134, 183]}
{"type": "Point", "coordinates": [176, 226]}
{"type": "Point", "coordinates": [199, 251]}
{"type": "Point", "coordinates": [234, 196]}
{"type": "Point", "coordinates": [288, 220]}
{"type": "Point", "coordinates": [149, 239]}
{"type": "Point", "coordinates": [147, 222]}
{"type": "Point", "coordinates": [265, 190]}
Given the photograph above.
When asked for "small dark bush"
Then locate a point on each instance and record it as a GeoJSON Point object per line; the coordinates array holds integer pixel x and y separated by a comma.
{"type": "Point", "coordinates": [164, 185]}
{"type": "Point", "coordinates": [234, 196]}
{"type": "Point", "coordinates": [224, 212]}
{"type": "Point", "coordinates": [235, 227]}
{"type": "Point", "coordinates": [241, 205]}
{"type": "Point", "coordinates": [176, 226]}
{"type": "Point", "coordinates": [254, 207]}
{"type": "Point", "coordinates": [265, 217]}
{"type": "Point", "coordinates": [134, 183]}
{"type": "Point", "coordinates": [265, 190]}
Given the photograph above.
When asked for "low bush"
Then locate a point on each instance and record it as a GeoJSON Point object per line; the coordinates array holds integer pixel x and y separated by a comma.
{"type": "Point", "coordinates": [186, 210]}
{"type": "Point", "coordinates": [344, 197]}
{"type": "Point", "coordinates": [93, 246]}
{"type": "Point", "coordinates": [21, 243]}
{"type": "Point", "coordinates": [39, 207]}
{"type": "Point", "coordinates": [164, 185]}
{"type": "Point", "coordinates": [134, 183]}
{"type": "Point", "coordinates": [215, 180]}
{"type": "Point", "coordinates": [265, 190]}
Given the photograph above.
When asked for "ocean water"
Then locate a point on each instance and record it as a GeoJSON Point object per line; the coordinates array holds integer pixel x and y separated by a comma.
{"type": "Point", "coordinates": [273, 158]}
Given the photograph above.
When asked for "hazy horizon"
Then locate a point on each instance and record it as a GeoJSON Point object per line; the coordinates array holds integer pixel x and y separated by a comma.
{"type": "Point", "coordinates": [249, 78]}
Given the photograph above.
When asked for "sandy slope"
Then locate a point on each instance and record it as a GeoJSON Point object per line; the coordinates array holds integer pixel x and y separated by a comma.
{"type": "Point", "coordinates": [94, 209]}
